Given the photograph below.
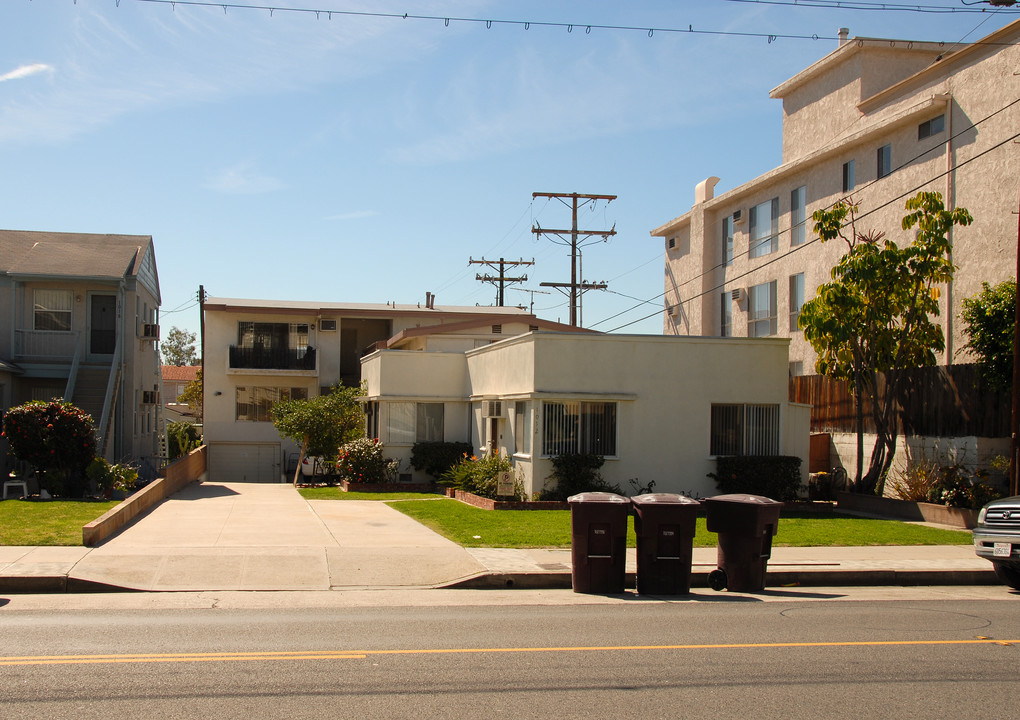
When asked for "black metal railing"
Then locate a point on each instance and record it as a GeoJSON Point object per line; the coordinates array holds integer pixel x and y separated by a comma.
{"type": "Point", "coordinates": [271, 358]}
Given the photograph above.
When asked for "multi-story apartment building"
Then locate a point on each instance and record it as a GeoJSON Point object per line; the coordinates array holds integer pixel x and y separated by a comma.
{"type": "Point", "coordinates": [78, 320]}
{"type": "Point", "coordinates": [875, 120]}
{"type": "Point", "coordinates": [257, 352]}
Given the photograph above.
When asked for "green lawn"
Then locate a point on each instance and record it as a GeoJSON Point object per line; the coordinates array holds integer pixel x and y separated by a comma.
{"type": "Point", "coordinates": [335, 493]}
{"type": "Point", "coordinates": [57, 522]}
{"type": "Point", "coordinates": [473, 527]}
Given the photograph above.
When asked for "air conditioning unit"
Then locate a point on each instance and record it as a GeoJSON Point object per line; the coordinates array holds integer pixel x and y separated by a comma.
{"type": "Point", "coordinates": [674, 310]}
{"type": "Point", "coordinates": [738, 295]}
{"type": "Point", "coordinates": [150, 331]}
{"type": "Point", "coordinates": [738, 217]}
{"type": "Point", "coordinates": [327, 324]}
{"type": "Point", "coordinates": [492, 408]}
{"type": "Point", "coordinates": [150, 397]}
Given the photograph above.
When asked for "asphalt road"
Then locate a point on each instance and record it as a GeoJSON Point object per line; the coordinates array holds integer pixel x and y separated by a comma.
{"type": "Point", "coordinates": [788, 654]}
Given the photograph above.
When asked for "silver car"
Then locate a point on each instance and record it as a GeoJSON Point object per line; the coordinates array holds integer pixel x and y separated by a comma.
{"type": "Point", "coordinates": [997, 538]}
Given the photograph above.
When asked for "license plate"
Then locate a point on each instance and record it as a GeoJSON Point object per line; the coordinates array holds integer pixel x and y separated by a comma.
{"type": "Point", "coordinates": [1002, 549]}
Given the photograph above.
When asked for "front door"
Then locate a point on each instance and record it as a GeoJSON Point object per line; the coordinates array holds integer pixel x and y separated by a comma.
{"type": "Point", "coordinates": [102, 324]}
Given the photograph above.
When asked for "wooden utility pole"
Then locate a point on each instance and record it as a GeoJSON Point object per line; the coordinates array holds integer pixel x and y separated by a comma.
{"type": "Point", "coordinates": [575, 239]}
{"type": "Point", "coordinates": [501, 281]}
{"type": "Point", "coordinates": [1014, 443]}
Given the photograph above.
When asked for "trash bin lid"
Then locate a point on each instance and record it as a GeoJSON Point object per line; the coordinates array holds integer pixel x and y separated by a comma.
{"type": "Point", "coordinates": [745, 499]}
{"type": "Point", "coordinates": [663, 499]}
{"type": "Point", "coordinates": [597, 497]}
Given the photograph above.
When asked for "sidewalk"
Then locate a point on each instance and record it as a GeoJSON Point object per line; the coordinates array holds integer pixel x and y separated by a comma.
{"type": "Point", "coordinates": [219, 536]}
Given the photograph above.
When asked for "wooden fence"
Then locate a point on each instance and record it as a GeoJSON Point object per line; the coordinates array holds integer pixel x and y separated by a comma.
{"type": "Point", "coordinates": [943, 401]}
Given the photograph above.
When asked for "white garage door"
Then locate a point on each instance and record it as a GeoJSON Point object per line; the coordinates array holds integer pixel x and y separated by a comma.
{"type": "Point", "coordinates": [242, 462]}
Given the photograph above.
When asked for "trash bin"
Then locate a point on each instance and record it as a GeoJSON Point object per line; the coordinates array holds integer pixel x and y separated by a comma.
{"type": "Point", "coordinates": [746, 524]}
{"type": "Point", "coordinates": [664, 524]}
{"type": "Point", "coordinates": [598, 541]}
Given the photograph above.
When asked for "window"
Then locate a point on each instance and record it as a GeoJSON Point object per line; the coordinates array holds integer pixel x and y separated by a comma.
{"type": "Point", "coordinates": [848, 176]}
{"type": "Point", "coordinates": [796, 368]}
{"type": "Point", "coordinates": [572, 427]}
{"type": "Point", "coordinates": [798, 203]}
{"type": "Point", "coordinates": [764, 228]}
{"type": "Point", "coordinates": [931, 127]}
{"type": "Point", "coordinates": [53, 310]}
{"type": "Point", "coordinates": [273, 336]}
{"type": "Point", "coordinates": [884, 161]}
{"type": "Point", "coordinates": [725, 314]}
{"type": "Point", "coordinates": [727, 240]}
{"type": "Point", "coordinates": [253, 404]}
{"type": "Point", "coordinates": [372, 419]}
{"type": "Point", "coordinates": [408, 422]}
{"type": "Point", "coordinates": [522, 428]}
{"type": "Point", "coordinates": [796, 299]}
{"type": "Point", "coordinates": [762, 310]}
{"type": "Point", "coordinates": [430, 422]}
{"type": "Point", "coordinates": [744, 430]}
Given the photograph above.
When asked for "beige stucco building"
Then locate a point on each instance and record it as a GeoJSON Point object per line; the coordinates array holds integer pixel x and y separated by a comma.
{"type": "Point", "coordinates": [257, 352]}
{"type": "Point", "coordinates": [876, 120]}
{"type": "Point", "coordinates": [658, 408]}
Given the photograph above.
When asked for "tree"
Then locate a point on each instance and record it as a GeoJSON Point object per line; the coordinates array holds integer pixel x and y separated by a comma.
{"type": "Point", "coordinates": [876, 314]}
{"type": "Point", "coordinates": [990, 319]}
{"type": "Point", "coordinates": [321, 424]}
{"type": "Point", "coordinates": [182, 437]}
{"type": "Point", "coordinates": [192, 395]}
{"type": "Point", "coordinates": [57, 438]}
{"type": "Point", "coordinates": [179, 347]}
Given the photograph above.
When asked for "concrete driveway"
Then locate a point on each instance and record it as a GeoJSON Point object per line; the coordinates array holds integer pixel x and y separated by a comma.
{"type": "Point", "coordinates": [247, 536]}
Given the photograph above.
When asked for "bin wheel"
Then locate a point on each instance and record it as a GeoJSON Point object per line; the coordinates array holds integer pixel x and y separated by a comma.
{"type": "Point", "coordinates": [717, 579]}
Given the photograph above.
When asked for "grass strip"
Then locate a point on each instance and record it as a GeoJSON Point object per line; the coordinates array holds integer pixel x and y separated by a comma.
{"type": "Point", "coordinates": [473, 527]}
{"type": "Point", "coordinates": [335, 493]}
{"type": "Point", "coordinates": [54, 522]}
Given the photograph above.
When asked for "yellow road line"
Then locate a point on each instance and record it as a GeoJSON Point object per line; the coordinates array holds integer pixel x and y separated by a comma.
{"type": "Point", "coordinates": [363, 654]}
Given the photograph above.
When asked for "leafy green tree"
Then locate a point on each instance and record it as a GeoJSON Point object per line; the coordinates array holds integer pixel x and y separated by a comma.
{"type": "Point", "coordinates": [56, 437]}
{"type": "Point", "coordinates": [990, 318]}
{"type": "Point", "coordinates": [192, 395]}
{"type": "Point", "coordinates": [321, 424]}
{"type": "Point", "coordinates": [876, 315]}
{"type": "Point", "coordinates": [178, 348]}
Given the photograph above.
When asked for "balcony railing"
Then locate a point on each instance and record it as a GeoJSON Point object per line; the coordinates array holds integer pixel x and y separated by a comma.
{"type": "Point", "coordinates": [263, 358]}
{"type": "Point", "coordinates": [45, 344]}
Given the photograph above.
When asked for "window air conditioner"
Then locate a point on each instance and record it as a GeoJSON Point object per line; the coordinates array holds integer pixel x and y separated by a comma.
{"type": "Point", "coordinates": [492, 408]}
{"type": "Point", "coordinates": [674, 310]}
{"type": "Point", "coordinates": [327, 324]}
{"type": "Point", "coordinates": [738, 217]}
{"type": "Point", "coordinates": [738, 295]}
{"type": "Point", "coordinates": [150, 331]}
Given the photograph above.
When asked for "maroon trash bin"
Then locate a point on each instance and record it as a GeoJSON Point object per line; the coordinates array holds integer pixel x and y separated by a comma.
{"type": "Point", "coordinates": [598, 542]}
{"type": "Point", "coordinates": [746, 525]}
{"type": "Point", "coordinates": [665, 525]}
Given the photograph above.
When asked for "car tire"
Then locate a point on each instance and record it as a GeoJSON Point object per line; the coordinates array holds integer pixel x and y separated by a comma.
{"type": "Point", "coordinates": [1009, 574]}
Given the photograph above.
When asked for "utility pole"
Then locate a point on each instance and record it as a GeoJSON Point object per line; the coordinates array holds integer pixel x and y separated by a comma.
{"type": "Point", "coordinates": [576, 239]}
{"type": "Point", "coordinates": [502, 280]}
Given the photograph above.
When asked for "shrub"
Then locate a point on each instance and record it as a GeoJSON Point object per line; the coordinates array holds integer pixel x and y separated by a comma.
{"type": "Point", "coordinates": [774, 476]}
{"type": "Point", "coordinates": [577, 473]}
{"type": "Point", "coordinates": [436, 458]}
{"type": "Point", "coordinates": [57, 438]}
{"type": "Point", "coordinates": [362, 461]}
{"type": "Point", "coordinates": [951, 483]}
{"type": "Point", "coordinates": [917, 481]}
{"type": "Point", "coordinates": [479, 476]}
{"type": "Point", "coordinates": [182, 437]}
{"type": "Point", "coordinates": [115, 477]}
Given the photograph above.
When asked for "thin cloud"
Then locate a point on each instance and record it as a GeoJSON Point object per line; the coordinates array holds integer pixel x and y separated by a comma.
{"type": "Point", "coordinates": [25, 71]}
{"type": "Point", "coordinates": [243, 179]}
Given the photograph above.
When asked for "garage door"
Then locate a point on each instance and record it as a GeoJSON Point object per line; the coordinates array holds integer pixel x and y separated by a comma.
{"type": "Point", "coordinates": [243, 462]}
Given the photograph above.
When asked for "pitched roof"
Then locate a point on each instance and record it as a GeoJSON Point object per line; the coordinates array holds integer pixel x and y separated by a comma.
{"type": "Point", "coordinates": [180, 373]}
{"type": "Point", "coordinates": [82, 255]}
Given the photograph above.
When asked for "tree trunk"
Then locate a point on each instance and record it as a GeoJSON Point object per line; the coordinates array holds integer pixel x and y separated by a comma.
{"type": "Point", "coordinates": [300, 459]}
{"type": "Point", "coordinates": [859, 409]}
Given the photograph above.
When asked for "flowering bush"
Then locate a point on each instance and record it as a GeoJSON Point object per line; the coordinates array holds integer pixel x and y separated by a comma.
{"type": "Point", "coordinates": [479, 476]}
{"type": "Point", "coordinates": [57, 438]}
{"type": "Point", "coordinates": [113, 477]}
{"type": "Point", "coordinates": [362, 461]}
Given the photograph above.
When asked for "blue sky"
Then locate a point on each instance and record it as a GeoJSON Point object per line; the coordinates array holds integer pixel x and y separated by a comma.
{"type": "Point", "coordinates": [366, 158]}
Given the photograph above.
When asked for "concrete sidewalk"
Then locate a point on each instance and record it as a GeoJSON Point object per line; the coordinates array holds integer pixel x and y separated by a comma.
{"type": "Point", "coordinates": [219, 536]}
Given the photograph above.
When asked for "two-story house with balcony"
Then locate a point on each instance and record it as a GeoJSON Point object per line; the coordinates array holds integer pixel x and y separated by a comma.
{"type": "Point", "coordinates": [875, 120]}
{"type": "Point", "coordinates": [78, 320]}
{"type": "Point", "coordinates": [257, 352]}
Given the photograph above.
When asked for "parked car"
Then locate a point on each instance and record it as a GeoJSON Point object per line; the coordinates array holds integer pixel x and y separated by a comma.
{"type": "Point", "coordinates": [313, 465]}
{"type": "Point", "coordinates": [997, 538]}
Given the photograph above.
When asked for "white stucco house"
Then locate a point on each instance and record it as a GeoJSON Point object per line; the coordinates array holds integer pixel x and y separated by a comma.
{"type": "Point", "coordinates": [658, 408]}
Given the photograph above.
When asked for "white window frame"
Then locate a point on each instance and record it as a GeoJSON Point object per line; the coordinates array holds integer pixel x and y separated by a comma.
{"type": "Point", "coordinates": [798, 215]}
{"type": "Point", "coordinates": [740, 429]}
{"type": "Point", "coordinates": [522, 428]}
{"type": "Point", "coordinates": [726, 247]}
{"type": "Point", "coordinates": [726, 314]}
{"type": "Point", "coordinates": [796, 299]}
{"type": "Point", "coordinates": [762, 310]}
{"type": "Point", "coordinates": [572, 427]}
{"type": "Point", "coordinates": [763, 229]}
{"type": "Point", "coordinates": [52, 310]}
{"type": "Point", "coordinates": [411, 422]}
{"type": "Point", "coordinates": [261, 400]}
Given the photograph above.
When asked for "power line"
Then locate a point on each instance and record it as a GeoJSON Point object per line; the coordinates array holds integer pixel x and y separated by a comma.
{"type": "Point", "coordinates": [811, 242]}
{"type": "Point", "coordinates": [869, 6]}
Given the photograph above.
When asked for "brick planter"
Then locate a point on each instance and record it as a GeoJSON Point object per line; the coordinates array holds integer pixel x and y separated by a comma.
{"type": "Point", "coordinates": [487, 504]}
{"type": "Point", "coordinates": [963, 518]}
{"type": "Point", "coordinates": [387, 487]}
